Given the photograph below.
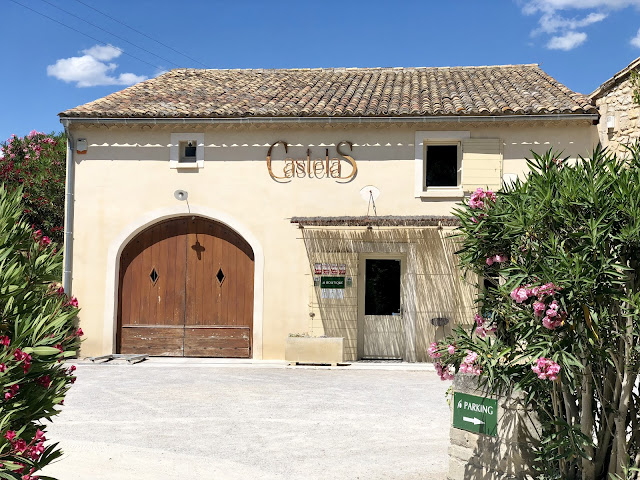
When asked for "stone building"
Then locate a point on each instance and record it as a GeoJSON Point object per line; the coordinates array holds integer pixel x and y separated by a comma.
{"type": "Point", "coordinates": [619, 116]}
{"type": "Point", "coordinates": [216, 212]}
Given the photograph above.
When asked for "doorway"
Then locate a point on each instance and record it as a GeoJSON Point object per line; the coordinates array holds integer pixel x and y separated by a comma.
{"type": "Point", "coordinates": [381, 309]}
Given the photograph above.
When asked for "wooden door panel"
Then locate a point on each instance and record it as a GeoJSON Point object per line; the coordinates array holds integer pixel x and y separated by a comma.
{"type": "Point", "coordinates": [153, 340]}
{"type": "Point", "coordinates": [207, 341]}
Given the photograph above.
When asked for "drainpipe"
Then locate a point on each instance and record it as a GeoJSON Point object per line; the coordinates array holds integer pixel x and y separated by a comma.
{"type": "Point", "coordinates": [68, 213]}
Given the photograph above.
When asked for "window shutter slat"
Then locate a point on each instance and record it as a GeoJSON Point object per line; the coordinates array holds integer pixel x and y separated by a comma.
{"type": "Point", "coordinates": [481, 163]}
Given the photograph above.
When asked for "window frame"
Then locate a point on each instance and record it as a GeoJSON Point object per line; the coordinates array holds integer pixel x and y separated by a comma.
{"type": "Point", "coordinates": [175, 155]}
{"type": "Point", "coordinates": [426, 138]}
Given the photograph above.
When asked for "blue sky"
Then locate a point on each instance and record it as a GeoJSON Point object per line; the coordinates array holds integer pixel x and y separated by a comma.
{"type": "Point", "coordinates": [48, 67]}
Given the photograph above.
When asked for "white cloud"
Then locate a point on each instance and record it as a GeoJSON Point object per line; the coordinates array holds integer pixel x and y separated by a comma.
{"type": "Point", "coordinates": [555, 18]}
{"type": "Point", "coordinates": [90, 70]}
{"type": "Point", "coordinates": [568, 41]}
{"type": "Point", "coordinates": [535, 6]}
{"type": "Point", "coordinates": [552, 22]}
{"type": "Point", "coordinates": [635, 41]}
{"type": "Point", "coordinates": [103, 53]}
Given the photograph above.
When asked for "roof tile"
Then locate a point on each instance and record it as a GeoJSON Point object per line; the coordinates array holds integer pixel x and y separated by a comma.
{"type": "Point", "coordinates": [371, 92]}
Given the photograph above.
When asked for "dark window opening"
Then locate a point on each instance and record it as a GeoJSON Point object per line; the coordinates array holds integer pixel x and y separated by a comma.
{"type": "Point", "coordinates": [442, 166]}
{"type": "Point", "coordinates": [382, 289]}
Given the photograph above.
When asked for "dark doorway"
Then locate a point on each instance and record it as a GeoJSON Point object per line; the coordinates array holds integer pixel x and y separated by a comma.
{"type": "Point", "coordinates": [382, 290]}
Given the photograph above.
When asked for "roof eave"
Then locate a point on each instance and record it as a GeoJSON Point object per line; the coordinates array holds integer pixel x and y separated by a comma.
{"type": "Point", "coordinates": [616, 79]}
{"type": "Point", "coordinates": [66, 120]}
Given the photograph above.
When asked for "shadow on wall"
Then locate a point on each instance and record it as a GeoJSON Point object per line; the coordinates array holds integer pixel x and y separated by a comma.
{"type": "Point", "coordinates": [432, 284]}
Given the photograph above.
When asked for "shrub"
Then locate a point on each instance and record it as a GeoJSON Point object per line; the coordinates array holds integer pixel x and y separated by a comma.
{"type": "Point", "coordinates": [37, 332]}
{"type": "Point", "coordinates": [36, 163]}
{"type": "Point", "coordinates": [560, 317]}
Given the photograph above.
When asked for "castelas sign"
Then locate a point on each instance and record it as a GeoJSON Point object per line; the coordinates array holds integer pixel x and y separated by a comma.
{"type": "Point", "coordinates": [342, 167]}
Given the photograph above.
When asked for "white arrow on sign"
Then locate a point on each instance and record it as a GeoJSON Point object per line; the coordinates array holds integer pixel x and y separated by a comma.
{"type": "Point", "coordinates": [474, 420]}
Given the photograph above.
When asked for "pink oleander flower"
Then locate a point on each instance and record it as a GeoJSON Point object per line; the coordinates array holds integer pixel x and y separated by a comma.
{"type": "Point", "coordinates": [552, 324]}
{"type": "Point", "coordinates": [500, 258]}
{"type": "Point", "coordinates": [39, 436]}
{"type": "Point", "coordinates": [13, 389]}
{"type": "Point", "coordinates": [479, 198]}
{"type": "Point", "coordinates": [5, 341]}
{"type": "Point", "coordinates": [10, 435]}
{"type": "Point", "coordinates": [444, 371]}
{"type": "Point", "coordinates": [479, 320]}
{"type": "Point", "coordinates": [546, 369]}
{"type": "Point", "coordinates": [79, 332]}
{"type": "Point", "coordinates": [451, 349]}
{"type": "Point", "coordinates": [44, 381]}
{"type": "Point", "coordinates": [45, 241]}
{"type": "Point", "coordinates": [433, 350]}
{"type": "Point", "coordinates": [20, 445]}
{"type": "Point", "coordinates": [520, 294]}
{"type": "Point", "coordinates": [489, 261]}
{"type": "Point", "coordinates": [538, 308]}
{"type": "Point", "coordinates": [73, 302]}
{"type": "Point", "coordinates": [3, 368]}
{"type": "Point", "coordinates": [468, 364]}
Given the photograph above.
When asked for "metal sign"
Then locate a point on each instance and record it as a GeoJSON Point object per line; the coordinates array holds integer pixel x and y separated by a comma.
{"type": "Point", "coordinates": [475, 414]}
{"type": "Point", "coordinates": [332, 282]}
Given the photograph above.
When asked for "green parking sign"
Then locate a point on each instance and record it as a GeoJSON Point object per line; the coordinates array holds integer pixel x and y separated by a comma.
{"type": "Point", "coordinates": [475, 414]}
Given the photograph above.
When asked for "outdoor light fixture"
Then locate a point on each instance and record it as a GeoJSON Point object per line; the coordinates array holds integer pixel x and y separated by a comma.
{"type": "Point", "coordinates": [181, 195]}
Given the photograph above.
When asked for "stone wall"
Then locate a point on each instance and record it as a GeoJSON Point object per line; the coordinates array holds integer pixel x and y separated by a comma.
{"type": "Point", "coordinates": [481, 457]}
{"type": "Point", "coordinates": [617, 101]}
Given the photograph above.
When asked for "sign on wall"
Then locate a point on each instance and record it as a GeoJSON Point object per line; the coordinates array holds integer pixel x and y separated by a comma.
{"type": "Point", "coordinates": [319, 167]}
{"type": "Point", "coordinates": [332, 282]}
{"type": "Point", "coordinates": [475, 414]}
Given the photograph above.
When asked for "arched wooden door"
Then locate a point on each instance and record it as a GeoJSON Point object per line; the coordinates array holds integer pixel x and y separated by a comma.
{"type": "Point", "coordinates": [186, 289]}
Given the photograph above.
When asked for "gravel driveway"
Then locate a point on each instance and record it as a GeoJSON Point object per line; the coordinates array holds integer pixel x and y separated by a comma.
{"type": "Point", "coordinates": [165, 420]}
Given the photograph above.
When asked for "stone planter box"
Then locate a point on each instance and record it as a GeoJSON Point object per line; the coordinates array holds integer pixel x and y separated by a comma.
{"type": "Point", "coordinates": [317, 350]}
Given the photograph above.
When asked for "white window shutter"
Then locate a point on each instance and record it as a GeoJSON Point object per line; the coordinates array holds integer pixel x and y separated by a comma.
{"type": "Point", "coordinates": [481, 163]}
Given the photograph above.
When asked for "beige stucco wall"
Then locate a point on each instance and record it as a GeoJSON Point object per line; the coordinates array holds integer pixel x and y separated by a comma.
{"type": "Point", "coordinates": [125, 176]}
{"type": "Point", "coordinates": [618, 102]}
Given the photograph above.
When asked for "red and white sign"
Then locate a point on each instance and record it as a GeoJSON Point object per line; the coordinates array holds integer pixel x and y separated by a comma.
{"type": "Point", "coordinates": [334, 269]}
{"type": "Point", "coordinates": [317, 268]}
{"type": "Point", "coordinates": [326, 269]}
{"type": "Point", "coordinates": [342, 269]}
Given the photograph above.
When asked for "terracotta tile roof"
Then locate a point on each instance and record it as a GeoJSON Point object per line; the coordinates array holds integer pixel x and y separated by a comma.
{"type": "Point", "coordinates": [335, 92]}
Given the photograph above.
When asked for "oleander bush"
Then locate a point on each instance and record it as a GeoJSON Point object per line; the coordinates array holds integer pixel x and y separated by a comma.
{"type": "Point", "coordinates": [36, 164]}
{"type": "Point", "coordinates": [559, 258]}
{"type": "Point", "coordinates": [37, 332]}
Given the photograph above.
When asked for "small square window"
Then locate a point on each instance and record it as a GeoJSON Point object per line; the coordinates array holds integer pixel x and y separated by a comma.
{"type": "Point", "coordinates": [188, 151]}
{"type": "Point", "coordinates": [441, 165]}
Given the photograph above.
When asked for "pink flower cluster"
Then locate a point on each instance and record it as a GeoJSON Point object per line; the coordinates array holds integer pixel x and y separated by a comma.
{"type": "Point", "coordinates": [553, 318]}
{"type": "Point", "coordinates": [444, 371]}
{"type": "Point", "coordinates": [432, 351]}
{"type": "Point", "coordinates": [468, 365]}
{"type": "Point", "coordinates": [481, 199]}
{"type": "Point", "coordinates": [20, 356]}
{"type": "Point", "coordinates": [546, 369]}
{"type": "Point", "coordinates": [483, 328]}
{"type": "Point", "coordinates": [44, 241]}
{"type": "Point", "coordinates": [497, 259]}
{"type": "Point", "coordinates": [11, 392]}
{"type": "Point", "coordinates": [33, 450]}
{"type": "Point", "coordinates": [522, 294]}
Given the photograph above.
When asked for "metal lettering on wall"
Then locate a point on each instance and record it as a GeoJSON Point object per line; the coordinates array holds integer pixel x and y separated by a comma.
{"type": "Point", "coordinates": [312, 167]}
